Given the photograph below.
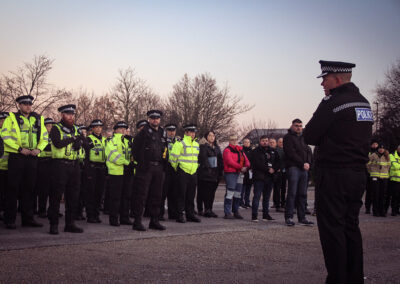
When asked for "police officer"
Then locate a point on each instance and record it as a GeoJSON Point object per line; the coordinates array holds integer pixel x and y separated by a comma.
{"type": "Point", "coordinates": [169, 187]}
{"type": "Point", "coordinates": [117, 157]}
{"type": "Point", "coordinates": [43, 182]}
{"type": "Point", "coordinates": [184, 159]}
{"type": "Point", "coordinates": [95, 171]}
{"type": "Point", "coordinates": [66, 173]}
{"type": "Point", "coordinates": [82, 130]}
{"type": "Point", "coordinates": [3, 166]}
{"type": "Point", "coordinates": [139, 126]}
{"type": "Point", "coordinates": [342, 128]}
{"type": "Point", "coordinates": [24, 136]}
{"type": "Point", "coordinates": [148, 151]}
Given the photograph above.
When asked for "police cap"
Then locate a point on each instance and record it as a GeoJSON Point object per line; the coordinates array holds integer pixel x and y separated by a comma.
{"type": "Point", "coordinates": [171, 127]}
{"type": "Point", "coordinates": [190, 127]}
{"type": "Point", "coordinates": [120, 124]}
{"type": "Point", "coordinates": [49, 120]}
{"type": "Point", "coordinates": [154, 113]}
{"type": "Point", "coordinates": [328, 67]}
{"type": "Point", "coordinates": [26, 100]}
{"type": "Point", "coordinates": [141, 123]}
{"type": "Point", "coordinates": [67, 109]}
{"type": "Point", "coordinates": [96, 122]}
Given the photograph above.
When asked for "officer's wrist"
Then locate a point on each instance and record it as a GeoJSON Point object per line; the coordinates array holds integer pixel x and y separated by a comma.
{"type": "Point", "coordinates": [19, 150]}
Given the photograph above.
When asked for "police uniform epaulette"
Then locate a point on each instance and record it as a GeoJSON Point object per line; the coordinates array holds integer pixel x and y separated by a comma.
{"type": "Point", "coordinates": [178, 138]}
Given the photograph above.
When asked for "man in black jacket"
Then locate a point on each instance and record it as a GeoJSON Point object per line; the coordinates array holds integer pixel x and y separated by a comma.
{"type": "Point", "coordinates": [248, 176]}
{"type": "Point", "coordinates": [264, 163]}
{"type": "Point", "coordinates": [298, 161]}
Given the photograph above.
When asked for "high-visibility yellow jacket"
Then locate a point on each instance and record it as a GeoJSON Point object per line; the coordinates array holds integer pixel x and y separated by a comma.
{"type": "Point", "coordinates": [395, 167]}
{"type": "Point", "coordinates": [116, 151]}
{"type": "Point", "coordinates": [21, 132]}
{"type": "Point", "coordinates": [184, 154]}
{"type": "Point", "coordinates": [97, 153]}
{"type": "Point", "coordinates": [67, 152]}
{"type": "Point", "coordinates": [378, 166]}
{"type": "Point", "coordinates": [3, 159]}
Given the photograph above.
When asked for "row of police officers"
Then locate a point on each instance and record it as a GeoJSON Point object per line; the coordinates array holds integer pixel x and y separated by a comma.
{"type": "Point", "coordinates": [42, 161]}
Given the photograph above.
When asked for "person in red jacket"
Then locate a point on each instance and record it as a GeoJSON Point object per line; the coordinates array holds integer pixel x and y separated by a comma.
{"type": "Point", "coordinates": [235, 165]}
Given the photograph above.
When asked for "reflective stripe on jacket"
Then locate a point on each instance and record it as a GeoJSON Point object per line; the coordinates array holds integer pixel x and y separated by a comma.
{"type": "Point", "coordinates": [184, 154]}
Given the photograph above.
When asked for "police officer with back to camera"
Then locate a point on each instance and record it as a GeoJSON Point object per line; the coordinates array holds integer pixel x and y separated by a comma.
{"type": "Point", "coordinates": [95, 171]}
{"type": "Point", "coordinates": [341, 127]}
{"type": "Point", "coordinates": [25, 136]}
{"type": "Point", "coordinates": [148, 151]}
{"type": "Point", "coordinates": [66, 175]}
{"type": "Point", "coordinates": [169, 188]}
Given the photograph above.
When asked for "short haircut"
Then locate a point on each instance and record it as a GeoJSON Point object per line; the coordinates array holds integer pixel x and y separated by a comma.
{"type": "Point", "coordinates": [296, 120]}
{"type": "Point", "coordinates": [263, 137]}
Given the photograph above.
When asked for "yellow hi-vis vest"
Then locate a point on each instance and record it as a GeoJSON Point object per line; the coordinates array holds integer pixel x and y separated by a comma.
{"type": "Point", "coordinates": [378, 167]}
{"type": "Point", "coordinates": [116, 155]}
{"type": "Point", "coordinates": [395, 167]}
{"type": "Point", "coordinates": [97, 154]}
{"type": "Point", "coordinates": [67, 152]}
{"type": "Point", "coordinates": [184, 154]}
{"type": "Point", "coordinates": [24, 132]}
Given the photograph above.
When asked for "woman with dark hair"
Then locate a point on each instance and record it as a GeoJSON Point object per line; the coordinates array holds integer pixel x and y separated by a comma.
{"type": "Point", "coordinates": [209, 173]}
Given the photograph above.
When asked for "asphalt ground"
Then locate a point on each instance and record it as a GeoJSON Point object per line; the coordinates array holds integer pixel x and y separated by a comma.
{"type": "Point", "coordinates": [213, 251]}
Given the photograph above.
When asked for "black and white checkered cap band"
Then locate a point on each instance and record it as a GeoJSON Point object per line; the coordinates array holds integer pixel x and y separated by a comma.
{"type": "Point", "coordinates": [27, 100]}
{"type": "Point", "coordinates": [142, 123]}
{"type": "Point", "coordinates": [171, 127]}
{"type": "Point", "coordinates": [190, 128]}
{"type": "Point", "coordinates": [97, 123]}
{"type": "Point", "coordinates": [334, 69]}
{"type": "Point", "coordinates": [122, 125]}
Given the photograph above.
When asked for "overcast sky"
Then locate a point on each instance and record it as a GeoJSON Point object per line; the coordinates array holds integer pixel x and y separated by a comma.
{"type": "Point", "coordinates": [266, 51]}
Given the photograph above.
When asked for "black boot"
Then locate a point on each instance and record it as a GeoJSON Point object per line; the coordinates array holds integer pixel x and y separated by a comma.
{"type": "Point", "coordinates": [138, 226]}
{"type": "Point", "coordinates": [31, 223]}
{"type": "Point", "coordinates": [155, 224]}
{"type": "Point", "coordinates": [180, 219]}
{"type": "Point", "coordinates": [53, 230]}
{"type": "Point", "coordinates": [72, 228]}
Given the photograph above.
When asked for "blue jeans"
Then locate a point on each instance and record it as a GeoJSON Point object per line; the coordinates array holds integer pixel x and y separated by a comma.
{"type": "Point", "coordinates": [297, 186]}
{"type": "Point", "coordinates": [263, 187]}
{"type": "Point", "coordinates": [232, 195]}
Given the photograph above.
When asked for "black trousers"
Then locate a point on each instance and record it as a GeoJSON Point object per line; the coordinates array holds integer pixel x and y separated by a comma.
{"type": "Point", "coordinates": [148, 186]}
{"type": "Point", "coordinates": [338, 206]}
{"type": "Point", "coordinates": [392, 198]}
{"type": "Point", "coordinates": [43, 184]}
{"type": "Point", "coordinates": [95, 178]}
{"type": "Point", "coordinates": [66, 179]}
{"type": "Point", "coordinates": [368, 193]}
{"type": "Point", "coordinates": [279, 193]}
{"type": "Point", "coordinates": [187, 192]}
{"type": "Point", "coordinates": [206, 194]}
{"type": "Point", "coordinates": [3, 186]}
{"type": "Point", "coordinates": [379, 190]}
{"type": "Point", "coordinates": [170, 192]}
{"type": "Point", "coordinates": [22, 171]}
{"type": "Point", "coordinates": [119, 197]}
{"type": "Point", "coordinates": [82, 190]}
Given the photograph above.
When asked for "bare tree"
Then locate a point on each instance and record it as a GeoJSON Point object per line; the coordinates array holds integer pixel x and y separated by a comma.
{"type": "Point", "coordinates": [31, 79]}
{"type": "Point", "coordinates": [387, 111]}
{"type": "Point", "coordinates": [132, 97]}
{"type": "Point", "coordinates": [201, 101]}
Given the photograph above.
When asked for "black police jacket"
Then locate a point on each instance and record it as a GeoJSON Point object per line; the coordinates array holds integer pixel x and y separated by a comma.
{"type": "Point", "coordinates": [342, 128]}
{"type": "Point", "coordinates": [148, 146]}
{"type": "Point", "coordinates": [205, 172]}
{"type": "Point", "coordinates": [262, 160]}
{"type": "Point", "coordinates": [296, 151]}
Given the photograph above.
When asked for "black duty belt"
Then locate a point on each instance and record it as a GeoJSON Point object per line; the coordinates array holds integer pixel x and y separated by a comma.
{"type": "Point", "coordinates": [154, 163]}
{"type": "Point", "coordinates": [97, 164]}
{"type": "Point", "coordinates": [67, 162]}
